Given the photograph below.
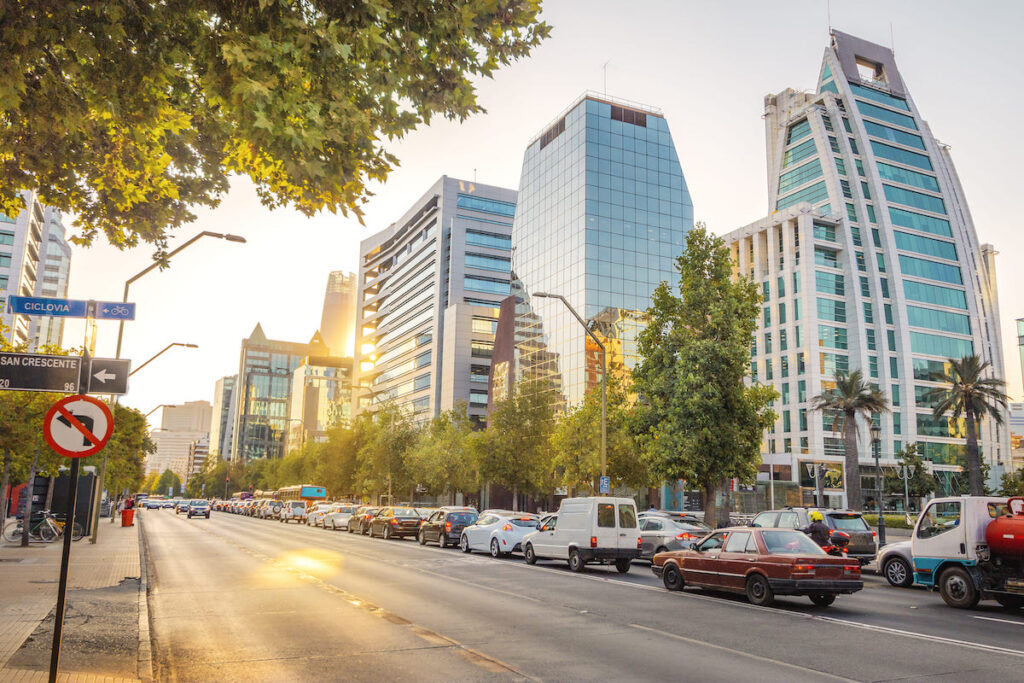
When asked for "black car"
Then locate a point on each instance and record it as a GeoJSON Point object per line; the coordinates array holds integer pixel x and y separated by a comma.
{"type": "Point", "coordinates": [863, 546]}
{"type": "Point", "coordinates": [360, 521]}
{"type": "Point", "coordinates": [395, 523]}
{"type": "Point", "coordinates": [445, 526]}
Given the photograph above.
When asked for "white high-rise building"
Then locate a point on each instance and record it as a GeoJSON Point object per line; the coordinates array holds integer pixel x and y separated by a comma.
{"type": "Point", "coordinates": [180, 427]}
{"type": "Point", "coordinates": [868, 261]}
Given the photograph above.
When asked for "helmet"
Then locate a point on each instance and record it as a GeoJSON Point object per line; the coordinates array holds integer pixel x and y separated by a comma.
{"type": "Point", "coordinates": [816, 516]}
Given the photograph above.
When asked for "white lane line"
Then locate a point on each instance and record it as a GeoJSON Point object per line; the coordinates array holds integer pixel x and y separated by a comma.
{"type": "Point", "coordinates": [741, 653]}
{"type": "Point", "coordinates": [921, 636]}
{"type": "Point", "coordinates": [1005, 621]}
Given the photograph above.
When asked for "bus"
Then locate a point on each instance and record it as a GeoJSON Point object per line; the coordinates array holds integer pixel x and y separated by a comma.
{"type": "Point", "coordinates": [307, 492]}
{"type": "Point", "coordinates": [242, 495]}
{"type": "Point", "coordinates": [259, 493]}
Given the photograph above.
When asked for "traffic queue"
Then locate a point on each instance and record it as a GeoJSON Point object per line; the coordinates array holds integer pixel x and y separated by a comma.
{"type": "Point", "coordinates": [966, 548]}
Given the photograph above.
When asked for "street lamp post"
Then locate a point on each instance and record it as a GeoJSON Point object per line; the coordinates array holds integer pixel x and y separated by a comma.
{"type": "Point", "coordinates": [604, 377]}
{"type": "Point", "coordinates": [163, 351]}
{"type": "Point", "coordinates": [876, 441]}
{"type": "Point", "coordinates": [906, 473]}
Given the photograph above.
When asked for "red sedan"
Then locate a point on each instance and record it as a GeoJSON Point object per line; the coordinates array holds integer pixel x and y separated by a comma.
{"type": "Point", "coordinates": [760, 563]}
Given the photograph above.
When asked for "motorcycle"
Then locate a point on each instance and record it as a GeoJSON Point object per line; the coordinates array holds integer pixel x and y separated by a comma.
{"type": "Point", "coordinates": [838, 542]}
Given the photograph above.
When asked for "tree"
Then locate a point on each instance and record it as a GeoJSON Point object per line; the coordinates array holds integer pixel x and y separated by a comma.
{"type": "Point", "coordinates": [149, 483]}
{"type": "Point", "coordinates": [168, 483]}
{"type": "Point", "coordinates": [920, 484]}
{"type": "Point", "coordinates": [696, 418]}
{"type": "Point", "coordinates": [1012, 484]}
{"type": "Point", "coordinates": [971, 396]}
{"type": "Point", "coordinates": [442, 459]}
{"type": "Point", "coordinates": [850, 397]}
{"type": "Point", "coordinates": [127, 449]}
{"type": "Point", "coordinates": [513, 450]}
{"type": "Point", "coordinates": [128, 114]}
{"type": "Point", "coordinates": [390, 435]}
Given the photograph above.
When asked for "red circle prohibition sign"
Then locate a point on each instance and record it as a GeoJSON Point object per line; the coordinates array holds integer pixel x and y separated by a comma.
{"type": "Point", "coordinates": [91, 442]}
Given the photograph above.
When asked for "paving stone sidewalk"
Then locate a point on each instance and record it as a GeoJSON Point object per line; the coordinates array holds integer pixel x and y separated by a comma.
{"type": "Point", "coordinates": [96, 585]}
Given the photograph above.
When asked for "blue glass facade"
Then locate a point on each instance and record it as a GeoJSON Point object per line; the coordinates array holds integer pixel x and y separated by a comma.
{"type": "Point", "coordinates": [603, 212]}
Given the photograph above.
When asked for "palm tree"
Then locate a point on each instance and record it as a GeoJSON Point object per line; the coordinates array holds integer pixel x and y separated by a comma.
{"type": "Point", "coordinates": [851, 395]}
{"type": "Point", "coordinates": [970, 396]}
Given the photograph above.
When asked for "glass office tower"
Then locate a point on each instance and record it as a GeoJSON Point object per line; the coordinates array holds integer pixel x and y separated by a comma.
{"type": "Point", "coordinates": [870, 261]}
{"type": "Point", "coordinates": [603, 212]}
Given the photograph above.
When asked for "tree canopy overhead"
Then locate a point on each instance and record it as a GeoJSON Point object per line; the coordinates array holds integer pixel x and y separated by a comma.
{"type": "Point", "coordinates": [130, 112]}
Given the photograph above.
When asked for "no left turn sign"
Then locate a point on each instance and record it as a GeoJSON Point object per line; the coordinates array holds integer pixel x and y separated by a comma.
{"type": "Point", "coordinates": [78, 426]}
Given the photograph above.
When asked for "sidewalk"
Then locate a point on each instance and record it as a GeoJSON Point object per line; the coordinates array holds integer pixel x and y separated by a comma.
{"type": "Point", "coordinates": [102, 624]}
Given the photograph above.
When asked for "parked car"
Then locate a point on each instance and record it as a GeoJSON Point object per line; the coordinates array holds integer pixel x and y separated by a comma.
{"type": "Point", "coordinates": [273, 509]}
{"type": "Point", "coordinates": [659, 533]}
{"type": "Point", "coordinates": [169, 503]}
{"type": "Point", "coordinates": [198, 508]}
{"type": "Point", "coordinates": [590, 529]}
{"type": "Point", "coordinates": [863, 545]}
{"type": "Point", "coordinates": [896, 564]}
{"type": "Point", "coordinates": [445, 525]}
{"type": "Point", "coordinates": [337, 517]}
{"type": "Point", "coordinates": [395, 523]}
{"type": "Point", "coordinates": [152, 504]}
{"type": "Point", "coordinates": [360, 523]}
{"type": "Point", "coordinates": [315, 513]}
{"type": "Point", "coordinates": [293, 511]}
{"type": "Point", "coordinates": [180, 506]}
{"type": "Point", "coordinates": [500, 534]}
{"type": "Point", "coordinates": [760, 563]}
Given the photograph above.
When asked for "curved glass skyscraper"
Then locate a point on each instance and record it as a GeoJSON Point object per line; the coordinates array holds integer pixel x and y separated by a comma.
{"type": "Point", "coordinates": [869, 260]}
{"type": "Point", "coordinates": [603, 212]}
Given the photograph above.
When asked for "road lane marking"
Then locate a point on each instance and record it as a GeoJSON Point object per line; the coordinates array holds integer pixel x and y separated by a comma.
{"type": "Point", "coordinates": [1005, 621]}
{"type": "Point", "coordinates": [718, 601]}
{"type": "Point", "coordinates": [741, 653]}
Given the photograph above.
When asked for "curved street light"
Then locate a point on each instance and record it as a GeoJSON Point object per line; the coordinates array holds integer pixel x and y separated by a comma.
{"type": "Point", "coordinates": [160, 353]}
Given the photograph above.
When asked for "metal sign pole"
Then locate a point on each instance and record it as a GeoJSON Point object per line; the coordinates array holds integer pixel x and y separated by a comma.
{"type": "Point", "coordinates": [62, 589]}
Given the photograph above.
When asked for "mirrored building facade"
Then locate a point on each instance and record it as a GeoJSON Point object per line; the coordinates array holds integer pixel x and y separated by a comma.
{"type": "Point", "coordinates": [603, 212]}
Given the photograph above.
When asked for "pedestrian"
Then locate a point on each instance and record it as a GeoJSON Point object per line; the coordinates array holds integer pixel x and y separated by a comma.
{"type": "Point", "coordinates": [120, 506]}
{"type": "Point", "coordinates": [652, 508]}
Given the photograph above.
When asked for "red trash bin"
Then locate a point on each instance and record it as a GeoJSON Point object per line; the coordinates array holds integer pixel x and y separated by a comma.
{"type": "Point", "coordinates": [127, 517]}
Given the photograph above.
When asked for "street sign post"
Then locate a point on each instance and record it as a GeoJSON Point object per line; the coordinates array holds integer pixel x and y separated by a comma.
{"type": "Point", "coordinates": [108, 376]}
{"type": "Point", "coordinates": [38, 372]}
{"type": "Point", "coordinates": [71, 308]}
{"type": "Point", "coordinates": [606, 484]}
{"type": "Point", "coordinates": [76, 427]}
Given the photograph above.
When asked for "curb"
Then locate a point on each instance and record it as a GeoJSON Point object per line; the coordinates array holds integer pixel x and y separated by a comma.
{"type": "Point", "coordinates": [145, 663]}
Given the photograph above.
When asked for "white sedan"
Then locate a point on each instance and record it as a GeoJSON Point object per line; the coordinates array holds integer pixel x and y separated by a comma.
{"type": "Point", "coordinates": [499, 532]}
{"type": "Point", "coordinates": [337, 517]}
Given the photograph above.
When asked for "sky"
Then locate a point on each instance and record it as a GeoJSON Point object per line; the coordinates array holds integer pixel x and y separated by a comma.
{"type": "Point", "coordinates": [707, 65]}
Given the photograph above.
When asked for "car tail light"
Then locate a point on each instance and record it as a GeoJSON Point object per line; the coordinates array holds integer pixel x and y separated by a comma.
{"type": "Point", "coordinates": [803, 569]}
{"type": "Point", "coordinates": [874, 533]}
{"type": "Point", "coordinates": [852, 569]}
{"type": "Point", "coordinates": [447, 526]}
{"type": "Point", "coordinates": [507, 527]}
{"type": "Point", "coordinates": [593, 541]}
{"type": "Point", "coordinates": [394, 522]}
{"type": "Point", "coordinates": [639, 542]}
{"type": "Point", "coordinates": [685, 536]}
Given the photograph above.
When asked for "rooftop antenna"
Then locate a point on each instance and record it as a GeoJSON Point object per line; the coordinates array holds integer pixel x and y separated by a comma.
{"type": "Point", "coordinates": [474, 175]}
{"type": "Point", "coordinates": [605, 68]}
{"type": "Point", "coordinates": [892, 41]}
{"type": "Point", "coordinates": [828, 15]}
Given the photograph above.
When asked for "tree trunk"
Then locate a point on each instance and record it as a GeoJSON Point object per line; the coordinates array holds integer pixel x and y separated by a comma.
{"type": "Point", "coordinates": [975, 485]}
{"type": "Point", "coordinates": [853, 494]}
{"type": "Point", "coordinates": [29, 490]}
{"type": "Point", "coordinates": [515, 498]}
{"type": "Point", "coordinates": [709, 493]}
{"type": "Point", "coordinates": [726, 509]}
{"type": "Point", "coordinates": [5, 480]}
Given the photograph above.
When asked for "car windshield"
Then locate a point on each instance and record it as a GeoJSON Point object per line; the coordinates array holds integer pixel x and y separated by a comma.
{"type": "Point", "coordinates": [199, 502]}
{"type": "Point", "coordinates": [687, 525]}
{"type": "Point", "coordinates": [849, 522]}
{"type": "Point", "coordinates": [462, 517]}
{"type": "Point", "coordinates": [405, 512]}
{"type": "Point", "coordinates": [297, 504]}
{"type": "Point", "coordinates": [524, 521]}
{"type": "Point", "coordinates": [790, 543]}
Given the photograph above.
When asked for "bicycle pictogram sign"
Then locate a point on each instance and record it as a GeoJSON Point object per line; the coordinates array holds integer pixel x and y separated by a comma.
{"type": "Point", "coordinates": [78, 426]}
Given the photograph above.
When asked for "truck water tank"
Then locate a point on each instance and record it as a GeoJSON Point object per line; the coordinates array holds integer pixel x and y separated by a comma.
{"type": "Point", "coordinates": [1005, 535]}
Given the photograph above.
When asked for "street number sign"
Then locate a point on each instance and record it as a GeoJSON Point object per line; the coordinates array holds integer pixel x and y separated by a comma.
{"type": "Point", "coordinates": [38, 372]}
{"type": "Point", "coordinates": [78, 426]}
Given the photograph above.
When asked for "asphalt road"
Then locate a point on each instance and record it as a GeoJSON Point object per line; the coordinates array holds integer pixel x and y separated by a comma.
{"type": "Point", "coordinates": [235, 598]}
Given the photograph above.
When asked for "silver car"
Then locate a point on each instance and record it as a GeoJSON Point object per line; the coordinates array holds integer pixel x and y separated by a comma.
{"type": "Point", "coordinates": [896, 564]}
{"type": "Point", "coordinates": [660, 533]}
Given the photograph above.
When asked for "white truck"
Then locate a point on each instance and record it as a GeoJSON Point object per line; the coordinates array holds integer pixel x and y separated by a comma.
{"type": "Point", "coordinates": [592, 529]}
{"type": "Point", "coordinates": [971, 548]}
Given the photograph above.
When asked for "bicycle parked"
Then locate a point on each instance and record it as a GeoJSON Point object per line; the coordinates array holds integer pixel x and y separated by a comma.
{"type": "Point", "coordinates": [46, 529]}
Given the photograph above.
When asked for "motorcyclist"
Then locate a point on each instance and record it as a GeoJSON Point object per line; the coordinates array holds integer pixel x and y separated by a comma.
{"type": "Point", "coordinates": [818, 530]}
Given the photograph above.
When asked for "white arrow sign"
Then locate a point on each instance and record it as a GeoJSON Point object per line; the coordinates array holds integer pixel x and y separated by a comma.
{"type": "Point", "coordinates": [103, 376]}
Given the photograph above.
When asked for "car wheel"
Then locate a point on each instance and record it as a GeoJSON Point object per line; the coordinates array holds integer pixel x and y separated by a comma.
{"type": "Point", "coordinates": [661, 549]}
{"type": "Point", "coordinates": [622, 565]}
{"type": "Point", "coordinates": [464, 543]}
{"type": "Point", "coordinates": [442, 539]}
{"type": "Point", "coordinates": [421, 538]}
{"type": "Point", "coordinates": [1010, 601]}
{"type": "Point", "coordinates": [529, 555]}
{"type": "Point", "coordinates": [823, 599]}
{"type": "Point", "coordinates": [672, 578]}
{"type": "Point", "coordinates": [496, 548]}
{"type": "Point", "coordinates": [576, 562]}
{"type": "Point", "coordinates": [758, 591]}
{"type": "Point", "coordinates": [897, 573]}
{"type": "Point", "coordinates": [387, 533]}
{"type": "Point", "coordinates": [957, 588]}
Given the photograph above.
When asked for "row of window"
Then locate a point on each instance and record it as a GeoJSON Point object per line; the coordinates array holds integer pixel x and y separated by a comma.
{"type": "Point", "coordinates": [916, 221]}
{"type": "Point", "coordinates": [799, 153]}
{"type": "Point", "coordinates": [892, 135]}
{"type": "Point", "coordinates": [942, 321]}
{"type": "Point", "coordinates": [6, 238]}
{"type": "Point", "coordinates": [485, 262]}
{"type": "Point", "coordinates": [800, 175]}
{"type": "Point", "coordinates": [886, 115]}
{"type": "Point", "coordinates": [798, 131]}
{"type": "Point", "coordinates": [907, 177]}
{"type": "Point", "coordinates": [477, 238]}
{"type": "Point", "coordinates": [930, 270]}
{"type": "Point", "coordinates": [902, 156]}
{"type": "Point", "coordinates": [486, 285]}
{"type": "Point", "coordinates": [925, 245]}
{"type": "Point", "coordinates": [935, 345]}
{"type": "Point", "coordinates": [917, 200]}
{"type": "Point", "coordinates": [485, 205]}
{"type": "Point", "coordinates": [935, 294]}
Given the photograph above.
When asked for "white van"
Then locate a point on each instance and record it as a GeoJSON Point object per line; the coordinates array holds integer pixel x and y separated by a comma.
{"type": "Point", "coordinates": [587, 530]}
